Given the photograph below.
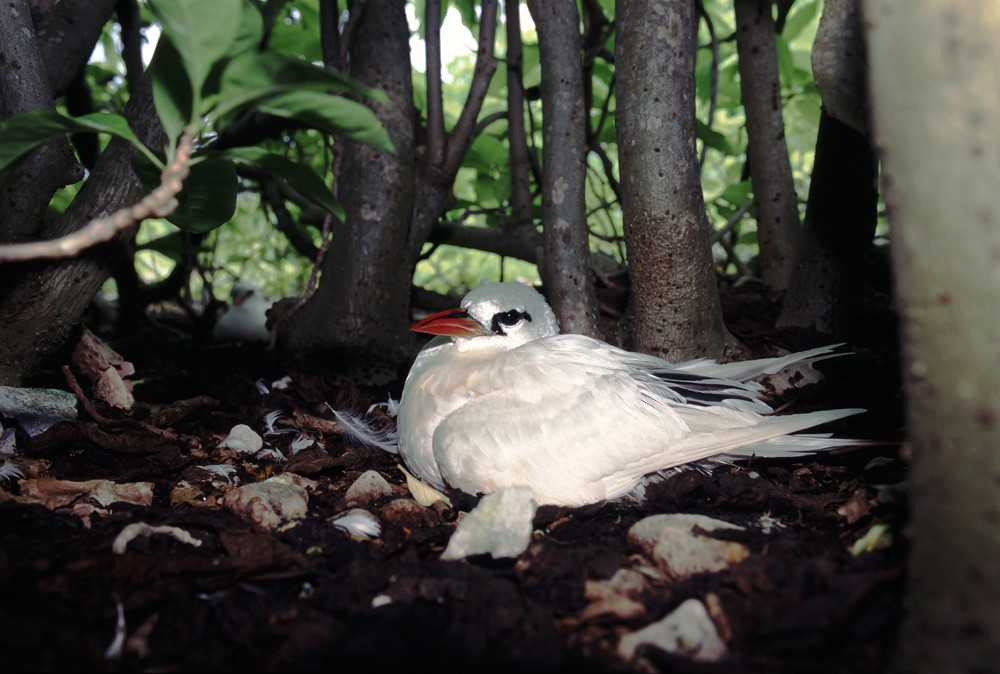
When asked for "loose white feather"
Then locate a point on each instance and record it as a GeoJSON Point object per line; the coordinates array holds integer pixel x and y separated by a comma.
{"type": "Point", "coordinates": [357, 430]}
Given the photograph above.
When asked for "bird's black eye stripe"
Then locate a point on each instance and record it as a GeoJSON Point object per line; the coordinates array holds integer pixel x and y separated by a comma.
{"type": "Point", "coordinates": [508, 319]}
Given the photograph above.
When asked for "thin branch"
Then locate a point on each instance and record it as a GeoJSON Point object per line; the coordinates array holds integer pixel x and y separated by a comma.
{"type": "Point", "coordinates": [286, 224]}
{"type": "Point", "coordinates": [357, 10]}
{"type": "Point", "coordinates": [436, 139]}
{"type": "Point", "coordinates": [713, 95]}
{"type": "Point", "coordinates": [310, 286]}
{"type": "Point", "coordinates": [520, 183]}
{"type": "Point", "coordinates": [159, 203]}
{"type": "Point", "coordinates": [486, 65]}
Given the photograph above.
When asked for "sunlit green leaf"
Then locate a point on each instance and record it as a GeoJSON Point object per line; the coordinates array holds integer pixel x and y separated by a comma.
{"type": "Point", "coordinates": [802, 14]}
{"type": "Point", "coordinates": [713, 138]}
{"type": "Point", "coordinates": [22, 133]}
{"type": "Point", "coordinates": [203, 32]}
{"type": "Point", "coordinates": [252, 76]}
{"type": "Point", "coordinates": [171, 89]}
{"type": "Point", "coordinates": [333, 114]}
{"type": "Point", "coordinates": [737, 193]}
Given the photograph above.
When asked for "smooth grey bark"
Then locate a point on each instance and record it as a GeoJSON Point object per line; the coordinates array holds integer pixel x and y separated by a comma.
{"type": "Point", "coordinates": [825, 293]}
{"type": "Point", "coordinates": [566, 270]}
{"type": "Point", "coordinates": [839, 65]}
{"type": "Point", "coordinates": [361, 305]}
{"type": "Point", "coordinates": [775, 201]}
{"type": "Point", "coordinates": [936, 111]}
{"type": "Point", "coordinates": [674, 309]}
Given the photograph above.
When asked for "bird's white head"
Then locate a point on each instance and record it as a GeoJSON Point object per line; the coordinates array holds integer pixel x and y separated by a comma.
{"type": "Point", "coordinates": [495, 315]}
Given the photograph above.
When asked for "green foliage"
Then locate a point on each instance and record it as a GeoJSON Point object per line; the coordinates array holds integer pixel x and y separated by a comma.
{"type": "Point", "coordinates": [209, 69]}
{"type": "Point", "coordinates": [206, 69]}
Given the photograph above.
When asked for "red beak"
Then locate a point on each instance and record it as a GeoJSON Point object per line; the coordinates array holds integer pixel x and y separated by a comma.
{"type": "Point", "coordinates": [452, 323]}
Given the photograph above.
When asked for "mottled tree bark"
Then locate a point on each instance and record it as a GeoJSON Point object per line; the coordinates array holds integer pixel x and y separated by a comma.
{"type": "Point", "coordinates": [42, 301]}
{"type": "Point", "coordinates": [28, 187]}
{"type": "Point", "coordinates": [674, 309]}
{"type": "Point", "coordinates": [566, 270]}
{"type": "Point", "coordinates": [360, 307]}
{"type": "Point", "coordinates": [775, 201]}
{"type": "Point", "coordinates": [825, 293]}
{"type": "Point", "coordinates": [936, 111]}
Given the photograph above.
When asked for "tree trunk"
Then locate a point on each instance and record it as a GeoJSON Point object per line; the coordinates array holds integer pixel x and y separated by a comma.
{"type": "Point", "coordinates": [674, 309]}
{"type": "Point", "coordinates": [825, 293]}
{"type": "Point", "coordinates": [42, 301]}
{"type": "Point", "coordinates": [775, 201]}
{"type": "Point", "coordinates": [566, 268]}
{"type": "Point", "coordinates": [361, 305]}
{"type": "Point", "coordinates": [24, 87]}
{"type": "Point", "coordinates": [936, 107]}
{"type": "Point", "coordinates": [839, 66]}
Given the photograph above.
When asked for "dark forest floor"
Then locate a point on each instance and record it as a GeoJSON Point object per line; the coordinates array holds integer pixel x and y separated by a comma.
{"type": "Point", "coordinates": [311, 597]}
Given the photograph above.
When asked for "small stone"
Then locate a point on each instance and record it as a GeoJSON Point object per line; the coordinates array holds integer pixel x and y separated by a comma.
{"type": "Point", "coordinates": [243, 440]}
{"type": "Point", "coordinates": [679, 551]}
{"type": "Point", "coordinates": [500, 526]}
{"type": "Point", "coordinates": [370, 486]}
{"type": "Point", "coordinates": [276, 502]}
{"type": "Point", "coordinates": [619, 595]}
{"type": "Point", "coordinates": [688, 631]}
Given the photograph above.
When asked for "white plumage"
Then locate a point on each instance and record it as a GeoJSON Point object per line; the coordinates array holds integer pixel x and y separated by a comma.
{"type": "Point", "coordinates": [245, 320]}
{"type": "Point", "coordinates": [501, 400]}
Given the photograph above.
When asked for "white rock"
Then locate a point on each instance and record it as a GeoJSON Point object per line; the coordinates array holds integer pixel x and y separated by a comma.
{"type": "Point", "coordinates": [369, 486]}
{"type": "Point", "coordinates": [688, 631]}
{"type": "Point", "coordinates": [680, 552]}
{"type": "Point", "coordinates": [243, 440]}
{"type": "Point", "coordinates": [275, 502]}
{"type": "Point", "coordinates": [499, 526]}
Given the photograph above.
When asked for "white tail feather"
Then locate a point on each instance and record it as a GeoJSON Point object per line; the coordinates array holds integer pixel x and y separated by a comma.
{"type": "Point", "coordinates": [769, 438]}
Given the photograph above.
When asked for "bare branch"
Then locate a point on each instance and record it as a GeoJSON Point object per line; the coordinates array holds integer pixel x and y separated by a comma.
{"type": "Point", "coordinates": [436, 139]}
{"type": "Point", "coordinates": [160, 202]}
{"type": "Point", "coordinates": [520, 182]}
{"type": "Point", "coordinates": [486, 65]}
{"type": "Point", "coordinates": [310, 286]}
{"type": "Point", "coordinates": [713, 94]}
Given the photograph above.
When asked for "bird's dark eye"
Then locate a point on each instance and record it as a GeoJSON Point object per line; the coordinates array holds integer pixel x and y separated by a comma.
{"type": "Point", "coordinates": [508, 319]}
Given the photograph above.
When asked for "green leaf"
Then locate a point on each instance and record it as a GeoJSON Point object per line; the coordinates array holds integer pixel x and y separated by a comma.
{"type": "Point", "coordinates": [333, 114]}
{"type": "Point", "coordinates": [22, 133]}
{"type": "Point", "coordinates": [299, 177]}
{"type": "Point", "coordinates": [801, 15]}
{"type": "Point", "coordinates": [208, 199]}
{"type": "Point", "coordinates": [253, 76]}
{"type": "Point", "coordinates": [171, 245]}
{"type": "Point", "coordinates": [203, 32]}
{"type": "Point", "coordinates": [171, 89]}
{"type": "Point", "coordinates": [713, 138]}
{"type": "Point", "coordinates": [737, 193]}
{"type": "Point", "coordinates": [486, 153]}
{"type": "Point", "coordinates": [247, 38]}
